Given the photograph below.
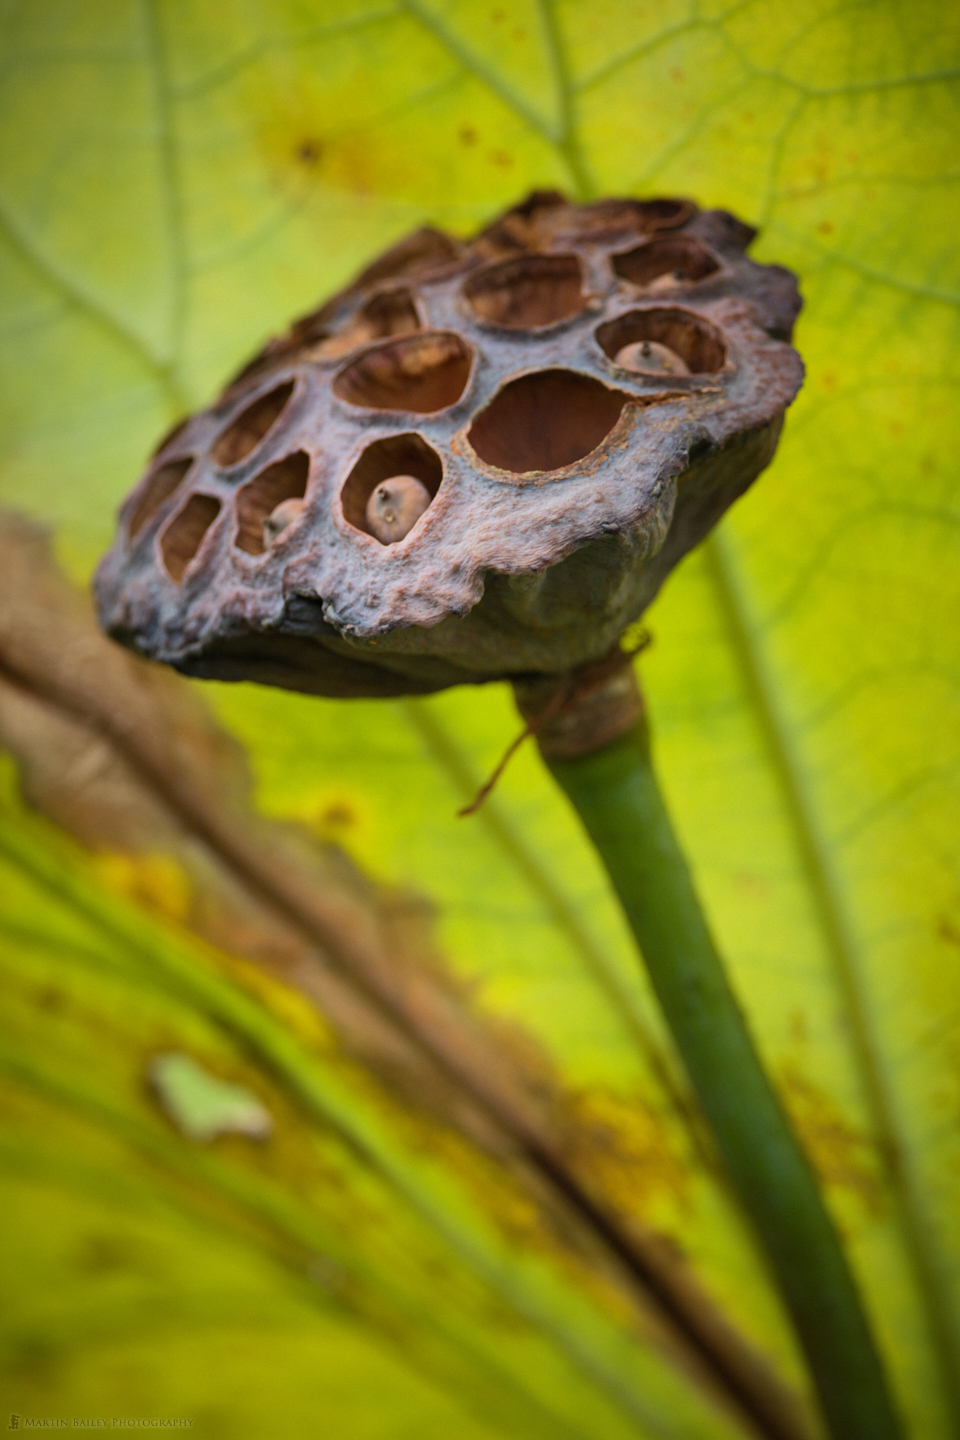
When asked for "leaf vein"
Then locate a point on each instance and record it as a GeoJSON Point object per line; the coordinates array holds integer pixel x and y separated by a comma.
{"type": "Point", "coordinates": [552, 133]}
{"type": "Point", "coordinates": [170, 179]}
{"type": "Point", "coordinates": [77, 298]}
{"type": "Point", "coordinates": [869, 272]}
{"type": "Point", "coordinates": [649, 46]}
{"type": "Point", "coordinates": [233, 64]}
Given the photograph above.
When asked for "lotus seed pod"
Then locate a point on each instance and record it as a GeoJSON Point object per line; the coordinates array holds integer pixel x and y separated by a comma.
{"type": "Point", "coordinates": [395, 507]}
{"type": "Point", "coordinates": [571, 399]}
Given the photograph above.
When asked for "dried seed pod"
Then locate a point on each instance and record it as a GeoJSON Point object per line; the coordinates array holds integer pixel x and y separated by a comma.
{"type": "Point", "coordinates": [571, 399]}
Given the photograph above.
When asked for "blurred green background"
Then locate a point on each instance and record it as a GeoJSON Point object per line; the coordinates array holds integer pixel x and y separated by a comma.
{"type": "Point", "coordinates": [180, 179]}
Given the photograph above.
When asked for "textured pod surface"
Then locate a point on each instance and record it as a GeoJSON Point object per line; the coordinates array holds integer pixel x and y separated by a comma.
{"type": "Point", "coordinates": [581, 390]}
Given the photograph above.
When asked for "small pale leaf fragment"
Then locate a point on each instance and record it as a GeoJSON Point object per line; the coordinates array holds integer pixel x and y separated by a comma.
{"type": "Point", "coordinates": [200, 1105]}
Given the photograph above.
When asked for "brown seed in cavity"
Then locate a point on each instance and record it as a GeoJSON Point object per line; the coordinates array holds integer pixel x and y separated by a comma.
{"type": "Point", "coordinates": [395, 507]}
{"type": "Point", "coordinates": [285, 479]}
{"type": "Point", "coordinates": [690, 337]}
{"type": "Point", "coordinates": [647, 357]}
{"type": "Point", "coordinates": [278, 520]}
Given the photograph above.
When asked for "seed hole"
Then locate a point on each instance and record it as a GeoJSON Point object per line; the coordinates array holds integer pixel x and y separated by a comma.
{"type": "Point", "coordinates": [423, 373]}
{"type": "Point", "coordinates": [545, 421]}
{"type": "Point", "coordinates": [385, 461]}
{"type": "Point", "coordinates": [183, 536]}
{"type": "Point", "coordinates": [527, 292]}
{"type": "Point", "coordinates": [251, 425]}
{"type": "Point", "coordinates": [664, 214]}
{"type": "Point", "coordinates": [526, 225]}
{"type": "Point", "coordinates": [608, 219]}
{"type": "Point", "coordinates": [418, 254]}
{"type": "Point", "coordinates": [697, 343]}
{"type": "Point", "coordinates": [678, 256]}
{"type": "Point", "coordinates": [390, 313]}
{"type": "Point", "coordinates": [257, 501]}
{"type": "Point", "coordinates": [158, 489]}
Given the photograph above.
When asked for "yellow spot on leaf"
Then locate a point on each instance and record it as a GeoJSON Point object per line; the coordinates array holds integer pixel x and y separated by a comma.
{"type": "Point", "coordinates": [158, 882]}
{"type": "Point", "coordinates": [628, 1152]}
{"type": "Point", "coordinates": [842, 1155]}
{"type": "Point", "coordinates": [298, 1013]}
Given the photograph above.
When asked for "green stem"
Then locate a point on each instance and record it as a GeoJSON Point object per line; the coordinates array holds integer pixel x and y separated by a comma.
{"type": "Point", "coordinates": [615, 793]}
